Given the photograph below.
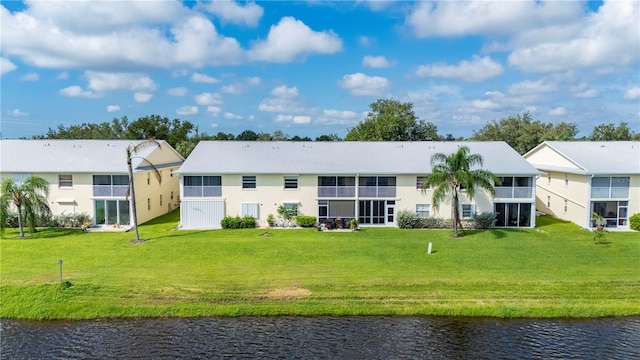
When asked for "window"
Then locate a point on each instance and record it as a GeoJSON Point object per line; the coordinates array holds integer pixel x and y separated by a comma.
{"type": "Point", "coordinates": [148, 204]}
{"type": "Point", "coordinates": [423, 210]}
{"type": "Point", "coordinates": [566, 206]}
{"type": "Point", "coordinates": [610, 187]}
{"type": "Point", "coordinates": [548, 178]}
{"type": "Point", "coordinates": [249, 209]}
{"type": "Point", "coordinates": [148, 179]}
{"type": "Point", "coordinates": [65, 181]}
{"type": "Point", "coordinates": [248, 182]}
{"type": "Point", "coordinates": [549, 202]}
{"type": "Point", "coordinates": [566, 179]}
{"type": "Point", "coordinates": [290, 182]}
{"type": "Point", "coordinates": [172, 195]}
{"type": "Point", "coordinates": [202, 186]}
{"type": "Point", "coordinates": [468, 211]}
{"type": "Point", "coordinates": [419, 181]}
{"type": "Point", "coordinates": [160, 199]}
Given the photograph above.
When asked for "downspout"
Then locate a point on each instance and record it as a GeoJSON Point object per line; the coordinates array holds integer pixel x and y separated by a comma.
{"type": "Point", "coordinates": [357, 202]}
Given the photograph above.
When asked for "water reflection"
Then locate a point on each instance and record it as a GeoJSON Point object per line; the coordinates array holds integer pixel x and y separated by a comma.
{"type": "Point", "coordinates": [323, 337]}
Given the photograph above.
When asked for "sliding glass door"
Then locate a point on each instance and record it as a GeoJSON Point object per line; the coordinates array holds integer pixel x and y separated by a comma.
{"type": "Point", "coordinates": [109, 212]}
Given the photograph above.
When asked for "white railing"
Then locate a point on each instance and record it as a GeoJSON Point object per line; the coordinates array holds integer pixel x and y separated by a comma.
{"type": "Point", "coordinates": [376, 191]}
{"type": "Point", "coordinates": [336, 191]}
{"type": "Point", "coordinates": [609, 192]}
{"type": "Point", "coordinates": [513, 192]}
{"type": "Point", "coordinates": [203, 191]}
{"type": "Point", "coordinates": [110, 190]}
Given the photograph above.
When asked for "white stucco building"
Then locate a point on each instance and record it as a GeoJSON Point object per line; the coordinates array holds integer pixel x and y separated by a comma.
{"type": "Point", "coordinates": [370, 181]}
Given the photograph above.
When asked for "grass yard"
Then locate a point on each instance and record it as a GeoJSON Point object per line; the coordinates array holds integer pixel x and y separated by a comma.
{"type": "Point", "coordinates": [554, 270]}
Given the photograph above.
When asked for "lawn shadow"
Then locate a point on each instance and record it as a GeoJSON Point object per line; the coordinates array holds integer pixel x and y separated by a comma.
{"type": "Point", "coordinates": [43, 233]}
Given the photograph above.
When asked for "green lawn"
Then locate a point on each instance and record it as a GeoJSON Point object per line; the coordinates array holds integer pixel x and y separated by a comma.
{"type": "Point", "coordinates": [554, 270]}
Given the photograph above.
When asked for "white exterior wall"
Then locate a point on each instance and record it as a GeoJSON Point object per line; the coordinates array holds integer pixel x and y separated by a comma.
{"type": "Point", "coordinates": [576, 192]}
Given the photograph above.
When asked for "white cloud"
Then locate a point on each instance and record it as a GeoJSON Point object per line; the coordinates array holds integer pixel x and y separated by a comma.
{"type": "Point", "coordinates": [558, 111]}
{"type": "Point", "coordinates": [214, 110]}
{"type": "Point", "coordinates": [187, 110]}
{"type": "Point", "coordinates": [203, 78]}
{"type": "Point", "coordinates": [284, 92]}
{"type": "Point", "coordinates": [284, 99]}
{"type": "Point", "coordinates": [632, 93]}
{"type": "Point", "coordinates": [376, 61]}
{"type": "Point", "coordinates": [582, 90]}
{"type": "Point", "coordinates": [364, 41]}
{"type": "Point", "coordinates": [214, 125]}
{"type": "Point", "coordinates": [113, 108]}
{"type": "Point", "coordinates": [293, 119]}
{"type": "Point", "coordinates": [241, 87]}
{"type": "Point", "coordinates": [339, 117]}
{"type": "Point", "coordinates": [232, 12]}
{"type": "Point", "coordinates": [591, 43]}
{"type": "Point", "coordinates": [459, 18]}
{"type": "Point", "coordinates": [77, 91]}
{"type": "Point", "coordinates": [361, 84]}
{"type": "Point", "coordinates": [476, 70]}
{"type": "Point", "coordinates": [100, 81]}
{"type": "Point", "coordinates": [63, 76]}
{"type": "Point", "coordinates": [232, 116]}
{"type": "Point", "coordinates": [177, 91]}
{"type": "Point", "coordinates": [18, 113]}
{"type": "Point", "coordinates": [532, 87]}
{"type": "Point", "coordinates": [30, 77]}
{"type": "Point", "coordinates": [142, 97]}
{"type": "Point", "coordinates": [208, 99]}
{"type": "Point", "coordinates": [6, 66]}
{"type": "Point", "coordinates": [291, 39]}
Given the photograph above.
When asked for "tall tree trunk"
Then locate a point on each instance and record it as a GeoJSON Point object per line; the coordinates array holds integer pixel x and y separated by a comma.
{"type": "Point", "coordinates": [456, 214]}
{"type": "Point", "coordinates": [134, 215]}
{"type": "Point", "coordinates": [20, 226]}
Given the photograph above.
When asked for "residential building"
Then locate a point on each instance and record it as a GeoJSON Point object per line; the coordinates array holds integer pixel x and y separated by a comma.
{"type": "Point", "coordinates": [583, 177]}
{"type": "Point", "coordinates": [91, 176]}
{"type": "Point", "coordinates": [340, 181]}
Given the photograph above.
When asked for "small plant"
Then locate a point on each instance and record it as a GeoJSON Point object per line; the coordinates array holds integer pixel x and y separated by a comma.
{"type": "Point", "coordinates": [634, 222]}
{"type": "Point", "coordinates": [271, 220]}
{"type": "Point", "coordinates": [237, 222]}
{"type": "Point", "coordinates": [288, 214]}
{"type": "Point", "coordinates": [599, 220]}
{"type": "Point", "coordinates": [353, 224]}
{"type": "Point", "coordinates": [600, 236]}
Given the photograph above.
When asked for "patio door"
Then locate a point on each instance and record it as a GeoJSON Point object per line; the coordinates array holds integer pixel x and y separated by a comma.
{"type": "Point", "coordinates": [109, 212]}
{"type": "Point", "coordinates": [391, 213]}
{"type": "Point", "coordinates": [377, 212]}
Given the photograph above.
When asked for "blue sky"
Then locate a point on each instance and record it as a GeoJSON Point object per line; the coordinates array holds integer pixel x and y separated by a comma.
{"type": "Point", "coordinates": [313, 68]}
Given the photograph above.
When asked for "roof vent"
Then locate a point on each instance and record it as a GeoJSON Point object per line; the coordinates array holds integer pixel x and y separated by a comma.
{"type": "Point", "coordinates": [602, 146]}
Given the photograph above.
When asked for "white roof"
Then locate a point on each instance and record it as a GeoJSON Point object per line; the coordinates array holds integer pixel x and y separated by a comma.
{"type": "Point", "coordinates": [344, 157]}
{"type": "Point", "coordinates": [597, 157]}
{"type": "Point", "coordinates": [71, 156]}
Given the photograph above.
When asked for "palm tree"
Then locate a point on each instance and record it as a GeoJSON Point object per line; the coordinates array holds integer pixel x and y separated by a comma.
{"type": "Point", "coordinates": [131, 151]}
{"type": "Point", "coordinates": [30, 199]}
{"type": "Point", "coordinates": [451, 172]}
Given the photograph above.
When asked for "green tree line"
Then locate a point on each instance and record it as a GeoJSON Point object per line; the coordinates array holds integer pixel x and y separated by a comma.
{"type": "Point", "coordinates": [387, 120]}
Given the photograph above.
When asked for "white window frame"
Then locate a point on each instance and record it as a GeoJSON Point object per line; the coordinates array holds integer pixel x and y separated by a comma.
{"type": "Point", "coordinates": [421, 212]}
{"type": "Point", "coordinates": [290, 183]}
{"type": "Point", "coordinates": [65, 183]}
{"type": "Point", "coordinates": [548, 202]}
{"type": "Point", "coordinates": [247, 182]}
{"type": "Point", "coordinates": [472, 211]}
{"type": "Point", "coordinates": [250, 209]}
{"type": "Point", "coordinates": [565, 208]}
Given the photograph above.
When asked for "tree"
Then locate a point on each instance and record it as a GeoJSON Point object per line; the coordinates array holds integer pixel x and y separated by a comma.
{"type": "Point", "coordinates": [391, 120]}
{"type": "Point", "coordinates": [330, 137]}
{"type": "Point", "coordinates": [30, 199]}
{"type": "Point", "coordinates": [452, 172]}
{"type": "Point", "coordinates": [522, 133]}
{"type": "Point", "coordinates": [131, 151]}
{"type": "Point", "coordinates": [611, 132]}
{"type": "Point", "coordinates": [157, 127]}
{"type": "Point", "coordinates": [247, 135]}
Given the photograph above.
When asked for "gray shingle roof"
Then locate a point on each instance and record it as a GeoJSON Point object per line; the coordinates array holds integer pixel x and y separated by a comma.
{"type": "Point", "coordinates": [600, 157]}
{"type": "Point", "coordinates": [346, 157]}
{"type": "Point", "coordinates": [73, 156]}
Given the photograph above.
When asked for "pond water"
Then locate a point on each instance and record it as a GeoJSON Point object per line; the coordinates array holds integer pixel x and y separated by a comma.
{"type": "Point", "coordinates": [323, 338]}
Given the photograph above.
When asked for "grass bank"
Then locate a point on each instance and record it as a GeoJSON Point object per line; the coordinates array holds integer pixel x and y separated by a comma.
{"type": "Point", "coordinates": [555, 270]}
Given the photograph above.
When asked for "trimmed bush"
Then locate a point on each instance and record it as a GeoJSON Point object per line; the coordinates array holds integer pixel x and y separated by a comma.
{"type": "Point", "coordinates": [431, 223]}
{"type": "Point", "coordinates": [407, 219]}
{"type": "Point", "coordinates": [306, 221]}
{"type": "Point", "coordinates": [237, 222]}
{"type": "Point", "coordinates": [485, 220]}
{"type": "Point", "coordinates": [634, 222]}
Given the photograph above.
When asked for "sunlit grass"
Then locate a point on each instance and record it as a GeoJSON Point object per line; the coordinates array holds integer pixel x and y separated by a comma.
{"type": "Point", "coordinates": [554, 270]}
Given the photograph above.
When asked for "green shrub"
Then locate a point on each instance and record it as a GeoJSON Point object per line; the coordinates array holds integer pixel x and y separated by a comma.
{"type": "Point", "coordinates": [306, 221]}
{"type": "Point", "coordinates": [407, 219]}
{"type": "Point", "coordinates": [485, 220]}
{"type": "Point", "coordinates": [634, 222]}
{"type": "Point", "coordinates": [431, 223]}
{"type": "Point", "coordinates": [237, 222]}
